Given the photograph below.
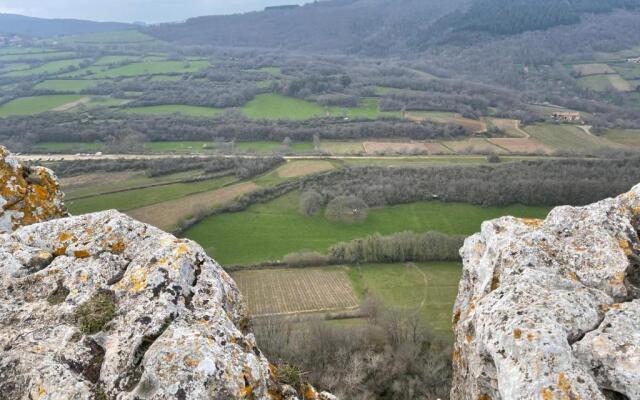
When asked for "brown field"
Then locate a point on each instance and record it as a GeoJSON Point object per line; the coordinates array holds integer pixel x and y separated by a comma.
{"type": "Point", "coordinates": [510, 126]}
{"type": "Point", "coordinates": [91, 178]}
{"type": "Point", "coordinates": [294, 169]}
{"type": "Point", "coordinates": [471, 125]}
{"type": "Point", "coordinates": [294, 291]}
{"type": "Point", "coordinates": [404, 148]}
{"type": "Point", "coordinates": [521, 146]}
{"type": "Point", "coordinates": [342, 147]}
{"type": "Point", "coordinates": [168, 215]}
{"type": "Point", "coordinates": [474, 146]}
{"type": "Point", "coordinates": [593, 69]}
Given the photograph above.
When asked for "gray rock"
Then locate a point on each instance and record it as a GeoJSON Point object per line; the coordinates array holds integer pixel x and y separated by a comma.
{"type": "Point", "coordinates": [113, 308]}
{"type": "Point", "coordinates": [546, 309]}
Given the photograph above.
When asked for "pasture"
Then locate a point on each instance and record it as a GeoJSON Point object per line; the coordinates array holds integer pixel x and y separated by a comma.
{"type": "Point", "coordinates": [567, 137]}
{"type": "Point", "coordinates": [429, 289]}
{"type": "Point", "coordinates": [295, 291]}
{"type": "Point", "coordinates": [521, 146]}
{"type": "Point", "coordinates": [152, 68]}
{"type": "Point", "coordinates": [277, 228]}
{"type": "Point", "coordinates": [593, 69]}
{"type": "Point", "coordinates": [36, 104]}
{"type": "Point", "coordinates": [130, 36]}
{"type": "Point", "coordinates": [474, 146]}
{"type": "Point", "coordinates": [39, 56]}
{"type": "Point", "coordinates": [275, 106]}
{"type": "Point", "coordinates": [66, 85]}
{"type": "Point", "coordinates": [136, 198]}
{"type": "Point", "coordinates": [625, 137]}
{"type": "Point", "coordinates": [404, 148]}
{"type": "Point", "coordinates": [48, 68]}
{"type": "Point", "coordinates": [192, 111]}
{"type": "Point", "coordinates": [603, 83]}
{"type": "Point", "coordinates": [471, 125]}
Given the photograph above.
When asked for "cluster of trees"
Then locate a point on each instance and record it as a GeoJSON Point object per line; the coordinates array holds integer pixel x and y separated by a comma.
{"type": "Point", "coordinates": [400, 247]}
{"type": "Point", "coordinates": [392, 356]}
{"type": "Point", "coordinates": [101, 125]}
{"type": "Point", "coordinates": [242, 167]}
{"type": "Point", "coordinates": [542, 182]}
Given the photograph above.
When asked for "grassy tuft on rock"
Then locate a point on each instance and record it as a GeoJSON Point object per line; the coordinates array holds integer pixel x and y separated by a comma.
{"type": "Point", "coordinates": [95, 313]}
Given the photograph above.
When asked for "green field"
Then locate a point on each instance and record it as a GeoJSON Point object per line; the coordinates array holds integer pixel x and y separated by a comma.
{"type": "Point", "coordinates": [566, 137]}
{"type": "Point", "coordinates": [267, 232]}
{"type": "Point", "coordinates": [192, 111]}
{"type": "Point", "coordinates": [275, 106]}
{"type": "Point", "coordinates": [427, 288]}
{"type": "Point", "coordinates": [43, 56]}
{"type": "Point", "coordinates": [625, 137]}
{"type": "Point", "coordinates": [152, 68]}
{"type": "Point", "coordinates": [166, 78]}
{"type": "Point", "coordinates": [48, 68]}
{"type": "Point", "coordinates": [71, 147]}
{"type": "Point", "coordinates": [137, 198]}
{"type": "Point", "coordinates": [35, 105]}
{"type": "Point", "coordinates": [603, 83]}
{"type": "Point", "coordinates": [66, 85]}
{"type": "Point", "coordinates": [111, 60]}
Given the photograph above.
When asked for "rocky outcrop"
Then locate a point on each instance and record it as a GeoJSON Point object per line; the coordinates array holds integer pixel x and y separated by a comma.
{"type": "Point", "coordinates": [103, 307]}
{"type": "Point", "coordinates": [550, 309]}
{"type": "Point", "coordinates": [27, 194]}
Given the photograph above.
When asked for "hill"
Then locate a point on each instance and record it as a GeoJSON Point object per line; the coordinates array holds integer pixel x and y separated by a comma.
{"type": "Point", "coordinates": [371, 26]}
{"type": "Point", "coordinates": [42, 27]}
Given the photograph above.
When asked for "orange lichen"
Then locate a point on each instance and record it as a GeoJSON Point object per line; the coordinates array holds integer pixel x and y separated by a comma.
{"type": "Point", "coordinates": [563, 383]}
{"type": "Point", "coordinates": [118, 247]}
{"type": "Point", "coordinates": [625, 246]}
{"type": "Point", "coordinates": [65, 236]}
{"type": "Point", "coordinates": [547, 394]}
{"type": "Point", "coordinates": [246, 392]}
{"type": "Point", "coordinates": [60, 251]}
{"type": "Point", "coordinates": [572, 275]}
{"type": "Point", "coordinates": [191, 362]}
{"type": "Point", "coordinates": [309, 393]}
{"type": "Point", "coordinates": [469, 338]}
{"type": "Point", "coordinates": [531, 222]}
{"type": "Point", "coordinates": [517, 333]}
{"type": "Point", "coordinates": [274, 394]}
{"type": "Point", "coordinates": [484, 397]}
{"type": "Point", "coordinates": [182, 249]}
{"type": "Point", "coordinates": [531, 337]}
{"type": "Point", "coordinates": [81, 254]}
{"type": "Point", "coordinates": [456, 317]}
{"type": "Point", "coordinates": [618, 278]}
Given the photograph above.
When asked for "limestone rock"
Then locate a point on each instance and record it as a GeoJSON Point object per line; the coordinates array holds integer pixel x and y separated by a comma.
{"type": "Point", "coordinates": [104, 307]}
{"type": "Point", "coordinates": [27, 194]}
{"type": "Point", "coordinates": [548, 309]}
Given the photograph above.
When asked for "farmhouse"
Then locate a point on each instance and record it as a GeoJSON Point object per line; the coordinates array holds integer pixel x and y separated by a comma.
{"type": "Point", "coordinates": [569, 116]}
{"type": "Point", "coordinates": [634, 60]}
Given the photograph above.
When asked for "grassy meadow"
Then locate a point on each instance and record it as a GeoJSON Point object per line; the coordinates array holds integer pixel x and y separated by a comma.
{"type": "Point", "coordinates": [277, 228]}
{"type": "Point", "coordinates": [35, 104]}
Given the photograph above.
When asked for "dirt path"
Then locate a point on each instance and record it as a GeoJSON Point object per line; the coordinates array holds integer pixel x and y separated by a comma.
{"type": "Point", "coordinates": [72, 105]}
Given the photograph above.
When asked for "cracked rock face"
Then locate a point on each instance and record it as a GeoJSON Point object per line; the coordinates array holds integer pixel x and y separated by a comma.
{"type": "Point", "coordinates": [549, 309]}
{"type": "Point", "coordinates": [27, 194]}
{"type": "Point", "coordinates": [103, 307]}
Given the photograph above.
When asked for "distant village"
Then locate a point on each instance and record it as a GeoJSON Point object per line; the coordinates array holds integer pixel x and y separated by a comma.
{"type": "Point", "coordinates": [634, 60]}
{"type": "Point", "coordinates": [10, 40]}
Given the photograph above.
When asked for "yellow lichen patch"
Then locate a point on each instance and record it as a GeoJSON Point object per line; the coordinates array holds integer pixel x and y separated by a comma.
{"type": "Point", "coordinates": [84, 277]}
{"type": "Point", "coordinates": [138, 280]}
{"type": "Point", "coordinates": [625, 246]}
{"type": "Point", "coordinates": [469, 338]}
{"type": "Point", "coordinates": [517, 333]}
{"type": "Point", "coordinates": [531, 222]}
{"type": "Point", "coordinates": [484, 397]}
{"type": "Point", "coordinates": [118, 247]}
{"type": "Point", "coordinates": [191, 362]}
{"type": "Point", "coordinates": [273, 371]}
{"type": "Point", "coordinates": [60, 251]}
{"type": "Point", "coordinates": [531, 337]}
{"type": "Point", "coordinates": [81, 254]}
{"type": "Point", "coordinates": [182, 249]}
{"type": "Point", "coordinates": [618, 278]}
{"type": "Point", "coordinates": [309, 393]}
{"type": "Point", "coordinates": [495, 281]}
{"type": "Point", "coordinates": [547, 394]}
{"type": "Point", "coordinates": [572, 275]}
{"type": "Point", "coordinates": [168, 357]}
{"type": "Point", "coordinates": [246, 392]}
{"type": "Point", "coordinates": [456, 357]}
{"type": "Point", "coordinates": [65, 236]}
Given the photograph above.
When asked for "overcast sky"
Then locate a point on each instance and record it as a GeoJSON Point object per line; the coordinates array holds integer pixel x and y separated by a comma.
{"type": "Point", "coordinates": [134, 10]}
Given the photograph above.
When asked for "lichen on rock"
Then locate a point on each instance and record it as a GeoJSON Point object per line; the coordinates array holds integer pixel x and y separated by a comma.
{"type": "Point", "coordinates": [155, 319]}
{"type": "Point", "coordinates": [549, 309]}
{"type": "Point", "coordinates": [27, 194]}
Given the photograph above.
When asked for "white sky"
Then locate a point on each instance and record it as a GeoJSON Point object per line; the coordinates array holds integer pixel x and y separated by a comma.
{"type": "Point", "coordinates": [134, 10]}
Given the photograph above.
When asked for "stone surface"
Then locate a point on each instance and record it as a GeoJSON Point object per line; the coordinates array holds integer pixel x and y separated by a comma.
{"type": "Point", "coordinates": [548, 309]}
{"type": "Point", "coordinates": [27, 194]}
{"type": "Point", "coordinates": [104, 307]}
